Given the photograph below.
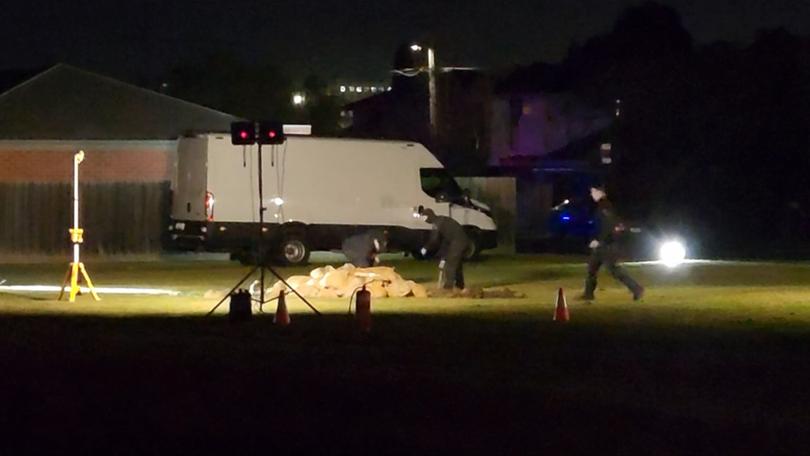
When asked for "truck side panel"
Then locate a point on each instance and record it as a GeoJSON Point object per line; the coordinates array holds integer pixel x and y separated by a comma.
{"type": "Point", "coordinates": [188, 200]}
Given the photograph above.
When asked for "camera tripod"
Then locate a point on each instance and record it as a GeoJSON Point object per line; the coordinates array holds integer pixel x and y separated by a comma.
{"type": "Point", "coordinates": [262, 263]}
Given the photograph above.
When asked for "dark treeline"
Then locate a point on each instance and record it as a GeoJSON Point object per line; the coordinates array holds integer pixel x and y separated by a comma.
{"type": "Point", "coordinates": [712, 139]}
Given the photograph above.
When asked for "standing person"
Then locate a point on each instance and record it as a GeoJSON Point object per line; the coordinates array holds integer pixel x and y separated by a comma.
{"type": "Point", "coordinates": [605, 249]}
{"type": "Point", "coordinates": [363, 249]}
{"type": "Point", "coordinates": [453, 242]}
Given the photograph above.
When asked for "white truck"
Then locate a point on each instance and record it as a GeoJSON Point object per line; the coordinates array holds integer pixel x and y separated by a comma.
{"type": "Point", "coordinates": [316, 192]}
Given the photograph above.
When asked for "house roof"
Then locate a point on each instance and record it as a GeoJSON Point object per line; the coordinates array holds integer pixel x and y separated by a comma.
{"type": "Point", "coordinates": [65, 102]}
{"type": "Point", "coordinates": [11, 78]}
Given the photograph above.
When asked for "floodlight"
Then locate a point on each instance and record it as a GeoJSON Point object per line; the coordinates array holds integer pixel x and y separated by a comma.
{"type": "Point", "coordinates": [271, 133]}
{"type": "Point", "coordinates": [243, 133]}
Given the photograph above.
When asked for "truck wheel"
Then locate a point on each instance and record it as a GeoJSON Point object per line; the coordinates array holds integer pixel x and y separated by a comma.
{"type": "Point", "coordinates": [294, 250]}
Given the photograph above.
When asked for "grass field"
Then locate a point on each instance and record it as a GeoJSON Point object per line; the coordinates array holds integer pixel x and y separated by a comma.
{"type": "Point", "coordinates": [715, 358]}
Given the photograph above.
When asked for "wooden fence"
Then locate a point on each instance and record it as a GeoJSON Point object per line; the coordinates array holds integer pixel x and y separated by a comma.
{"type": "Point", "coordinates": [116, 217]}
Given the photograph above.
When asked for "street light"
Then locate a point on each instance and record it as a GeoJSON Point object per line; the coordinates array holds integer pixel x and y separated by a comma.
{"type": "Point", "coordinates": [298, 99]}
{"type": "Point", "coordinates": [431, 66]}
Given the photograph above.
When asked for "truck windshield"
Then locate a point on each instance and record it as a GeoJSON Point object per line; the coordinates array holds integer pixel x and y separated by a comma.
{"type": "Point", "coordinates": [437, 183]}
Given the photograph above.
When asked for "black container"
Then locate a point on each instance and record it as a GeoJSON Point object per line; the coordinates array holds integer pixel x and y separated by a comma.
{"type": "Point", "coordinates": [240, 306]}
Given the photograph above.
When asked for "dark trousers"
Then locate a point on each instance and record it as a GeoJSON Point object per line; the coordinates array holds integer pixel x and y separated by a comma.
{"type": "Point", "coordinates": [607, 255]}
{"type": "Point", "coordinates": [453, 272]}
{"type": "Point", "coordinates": [359, 259]}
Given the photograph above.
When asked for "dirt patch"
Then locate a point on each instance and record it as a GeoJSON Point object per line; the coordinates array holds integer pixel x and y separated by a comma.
{"type": "Point", "coordinates": [477, 293]}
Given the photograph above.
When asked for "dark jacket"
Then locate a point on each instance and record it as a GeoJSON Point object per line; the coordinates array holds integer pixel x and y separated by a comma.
{"type": "Point", "coordinates": [610, 225]}
{"type": "Point", "coordinates": [361, 246]}
{"type": "Point", "coordinates": [448, 234]}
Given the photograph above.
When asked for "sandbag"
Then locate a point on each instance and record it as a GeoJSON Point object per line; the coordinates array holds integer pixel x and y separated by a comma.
{"type": "Point", "coordinates": [318, 273]}
{"type": "Point", "coordinates": [398, 288]}
{"type": "Point", "coordinates": [353, 283]}
{"type": "Point", "coordinates": [377, 289]}
{"type": "Point", "coordinates": [334, 279]}
{"type": "Point", "coordinates": [417, 290]}
{"type": "Point", "coordinates": [298, 281]}
{"type": "Point", "coordinates": [378, 272]}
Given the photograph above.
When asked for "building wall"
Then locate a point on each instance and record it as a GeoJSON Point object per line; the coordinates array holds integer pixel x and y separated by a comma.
{"type": "Point", "coordinates": [125, 195]}
{"type": "Point", "coordinates": [105, 161]}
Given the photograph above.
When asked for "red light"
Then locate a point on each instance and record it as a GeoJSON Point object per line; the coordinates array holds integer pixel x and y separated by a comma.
{"type": "Point", "coordinates": [243, 134]}
{"type": "Point", "coordinates": [271, 133]}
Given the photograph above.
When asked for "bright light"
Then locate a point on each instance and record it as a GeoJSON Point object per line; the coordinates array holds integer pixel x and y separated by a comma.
{"type": "Point", "coordinates": [277, 201]}
{"type": "Point", "coordinates": [101, 290]}
{"type": "Point", "coordinates": [359, 89]}
{"type": "Point", "coordinates": [298, 99]}
{"type": "Point", "coordinates": [416, 48]}
{"type": "Point", "coordinates": [342, 89]}
{"type": "Point", "coordinates": [672, 253]}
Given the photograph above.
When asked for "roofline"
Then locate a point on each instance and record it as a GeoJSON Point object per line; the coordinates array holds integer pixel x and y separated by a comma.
{"type": "Point", "coordinates": [133, 86]}
{"type": "Point", "coordinates": [29, 80]}
{"type": "Point", "coordinates": [86, 144]}
{"type": "Point", "coordinates": [119, 82]}
{"type": "Point", "coordinates": [310, 137]}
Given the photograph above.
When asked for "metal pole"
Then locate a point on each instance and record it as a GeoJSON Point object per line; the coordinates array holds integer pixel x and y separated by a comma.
{"type": "Point", "coordinates": [261, 258]}
{"type": "Point", "coordinates": [432, 89]}
{"type": "Point", "coordinates": [77, 159]}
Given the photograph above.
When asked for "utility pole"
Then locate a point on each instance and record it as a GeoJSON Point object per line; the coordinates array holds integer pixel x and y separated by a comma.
{"type": "Point", "coordinates": [432, 91]}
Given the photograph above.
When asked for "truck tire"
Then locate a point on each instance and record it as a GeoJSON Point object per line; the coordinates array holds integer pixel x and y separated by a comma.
{"type": "Point", "coordinates": [293, 250]}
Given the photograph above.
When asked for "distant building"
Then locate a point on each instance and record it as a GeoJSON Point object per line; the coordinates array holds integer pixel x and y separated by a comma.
{"type": "Point", "coordinates": [535, 119]}
{"type": "Point", "coordinates": [129, 135]}
{"type": "Point", "coordinates": [350, 91]}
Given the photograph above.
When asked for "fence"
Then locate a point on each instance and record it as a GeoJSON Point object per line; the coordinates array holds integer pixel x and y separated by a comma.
{"type": "Point", "coordinates": [116, 217]}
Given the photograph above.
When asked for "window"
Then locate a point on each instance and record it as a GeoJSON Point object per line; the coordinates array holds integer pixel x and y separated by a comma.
{"type": "Point", "coordinates": [439, 184]}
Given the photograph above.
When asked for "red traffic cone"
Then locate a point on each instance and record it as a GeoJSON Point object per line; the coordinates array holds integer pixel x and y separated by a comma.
{"type": "Point", "coordinates": [282, 317]}
{"type": "Point", "coordinates": [561, 312]}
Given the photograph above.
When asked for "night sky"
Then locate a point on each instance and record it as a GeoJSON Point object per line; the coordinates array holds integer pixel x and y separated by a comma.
{"type": "Point", "coordinates": [348, 39]}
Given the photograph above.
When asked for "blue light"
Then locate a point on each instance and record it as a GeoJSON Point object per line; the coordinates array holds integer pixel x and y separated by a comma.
{"type": "Point", "coordinates": [565, 217]}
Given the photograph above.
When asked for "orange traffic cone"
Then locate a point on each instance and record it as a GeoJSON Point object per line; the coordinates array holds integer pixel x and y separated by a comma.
{"type": "Point", "coordinates": [561, 312]}
{"type": "Point", "coordinates": [282, 317]}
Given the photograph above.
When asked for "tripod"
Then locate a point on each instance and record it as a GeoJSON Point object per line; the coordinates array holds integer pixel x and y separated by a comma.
{"type": "Point", "coordinates": [262, 260]}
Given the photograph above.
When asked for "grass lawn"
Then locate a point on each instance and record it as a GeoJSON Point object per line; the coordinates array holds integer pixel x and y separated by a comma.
{"type": "Point", "coordinates": [715, 358]}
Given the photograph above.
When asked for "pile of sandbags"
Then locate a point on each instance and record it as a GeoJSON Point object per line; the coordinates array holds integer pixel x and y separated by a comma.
{"type": "Point", "coordinates": [330, 282]}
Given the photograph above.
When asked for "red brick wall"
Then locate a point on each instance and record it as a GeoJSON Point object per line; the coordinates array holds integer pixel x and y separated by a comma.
{"type": "Point", "coordinates": [40, 165]}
